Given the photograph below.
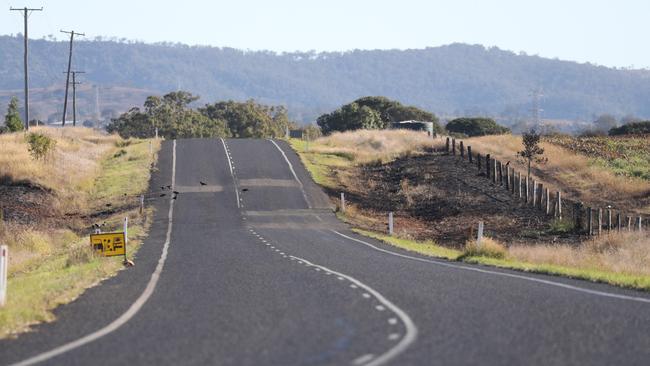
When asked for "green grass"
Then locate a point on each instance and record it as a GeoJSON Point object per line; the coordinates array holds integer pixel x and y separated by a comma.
{"type": "Point", "coordinates": [429, 248]}
{"type": "Point", "coordinates": [320, 165]}
{"type": "Point", "coordinates": [64, 266]}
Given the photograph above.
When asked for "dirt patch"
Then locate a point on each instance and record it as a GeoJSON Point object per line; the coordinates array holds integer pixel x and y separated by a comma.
{"type": "Point", "coordinates": [441, 197]}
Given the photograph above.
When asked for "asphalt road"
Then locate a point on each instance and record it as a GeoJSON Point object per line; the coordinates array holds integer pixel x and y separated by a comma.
{"type": "Point", "coordinates": [252, 268]}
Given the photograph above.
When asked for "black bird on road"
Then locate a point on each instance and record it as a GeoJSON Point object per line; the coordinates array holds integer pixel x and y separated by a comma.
{"type": "Point", "coordinates": [175, 192]}
{"type": "Point", "coordinates": [162, 195]}
{"type": "Point", "coordinates": [203, 183]}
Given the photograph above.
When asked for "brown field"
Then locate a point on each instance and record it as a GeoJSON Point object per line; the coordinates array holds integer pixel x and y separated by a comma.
{"type": "Point", "coordinates": [576, 175]}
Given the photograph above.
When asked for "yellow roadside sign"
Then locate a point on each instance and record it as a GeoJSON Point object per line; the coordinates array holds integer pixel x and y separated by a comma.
{"type": "Point", "coordinates": [108, 244]}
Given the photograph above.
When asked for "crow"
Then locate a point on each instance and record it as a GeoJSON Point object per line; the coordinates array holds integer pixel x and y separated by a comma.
{"type": "Point", "coordinates": [162, 195]}
{"type": "Point", "coordinates": [162, 188]}
{"type": "Point", "coordinates": [203, 183]}
{"type": "Point", "coordinates": [108, 205]}
{"type": "Point", "coordinates": [169, 186]}
{"type": "Point", "coordinates": [174, 197]}
{"type": "Point", "coordinates": [508, 163]}
{"type": "Point", "coordinates": [175, 192]}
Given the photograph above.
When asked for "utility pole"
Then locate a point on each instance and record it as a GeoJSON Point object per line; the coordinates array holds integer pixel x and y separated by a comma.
{"type": "Point", "coordinates": [67, 80]}
{"type": "Point", "coordinates": [74, 95]}
{"type": "Point", "coordinates": [26, 11]}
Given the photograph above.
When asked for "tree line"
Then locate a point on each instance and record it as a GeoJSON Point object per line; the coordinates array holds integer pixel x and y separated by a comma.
{"type": "Point", "coordinates": [173, 117]}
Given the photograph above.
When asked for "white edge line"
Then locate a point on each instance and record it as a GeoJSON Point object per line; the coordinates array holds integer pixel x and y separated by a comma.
{"type": "Point", "coordinates": [302, 187]}
{"type": "Point", "coordinates": [503, 274]}
{"type": "Point", "coordinates": [411, 330]}
{"type": "Point", "coordinates": [231, 173]}
{"type": "Point", "coordinates": [135, 307]}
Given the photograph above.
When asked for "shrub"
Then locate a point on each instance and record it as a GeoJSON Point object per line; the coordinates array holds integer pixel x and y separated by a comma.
{"type": "Point", "coordinates": [634, 128]}
{"type": "Point", "coordinates": [476, 127]}
{"type": "Point", "coordinates": [40, 145]}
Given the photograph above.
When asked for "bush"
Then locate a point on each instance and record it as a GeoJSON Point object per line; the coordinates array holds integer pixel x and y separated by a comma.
{"type": "Point", "coordinates": [634, 128]}
{"type": "Point", "coordinates": [40, 145]}
{"type": "Point", "coordinates": [476, 127]}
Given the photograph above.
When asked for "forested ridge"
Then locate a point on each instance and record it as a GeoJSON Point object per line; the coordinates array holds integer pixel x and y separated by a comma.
{"type": "Point", "coordinates": [450, 81]}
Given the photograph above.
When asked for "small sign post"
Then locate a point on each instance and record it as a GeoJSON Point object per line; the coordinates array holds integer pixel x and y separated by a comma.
{"type": "Point", "coordinates": [126, 235]}
{"type": "Point", "coordinates": [479, 236]}
{"type": "Point", "coordinates": [4, 264]}
{"type": "Point", "coordinates": [390, 223]}
{"type": "Point", "coordinates": [342, 202]}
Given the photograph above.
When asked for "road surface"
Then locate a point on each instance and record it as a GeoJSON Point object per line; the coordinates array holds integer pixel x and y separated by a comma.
{"type": "Point", "coordinates": [249, 266]}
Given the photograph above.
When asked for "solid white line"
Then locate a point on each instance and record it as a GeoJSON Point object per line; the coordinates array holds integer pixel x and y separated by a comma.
{"type": "Point", "coordinates": [503, 274]}
{"type": "Point", "coordinates": [363, 359]}
{"type": "Point", "coordinates": [302, 187]}
{"type": "Point", "coordinates": [411, 329]}
{"type": "Point", "coordinates": [231, 173]}
{"type": "Point", "coordinates": [135, 307]}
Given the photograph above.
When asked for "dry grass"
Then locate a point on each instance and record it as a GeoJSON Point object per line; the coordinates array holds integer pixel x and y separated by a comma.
{"type": "Point", "coordinates": [574, 174]}
{"type": "Point", "coordinates": [365, 146]}
{"type": "Point", "coordinates": [620, 253]}
{"type": "Point", "coordinates": [69, 171]}
{"type": "Point", "coordinates": [488, 248]}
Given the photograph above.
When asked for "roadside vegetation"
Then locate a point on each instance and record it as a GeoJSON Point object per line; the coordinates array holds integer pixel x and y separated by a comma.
{"type": "Point", "coordinates": [49, 205]}
{"type": "Point", "coordinates": [390, 170]}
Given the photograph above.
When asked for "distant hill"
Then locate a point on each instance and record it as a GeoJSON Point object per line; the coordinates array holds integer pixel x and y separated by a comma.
{"type": "Point", "coordinates": [450, 80]}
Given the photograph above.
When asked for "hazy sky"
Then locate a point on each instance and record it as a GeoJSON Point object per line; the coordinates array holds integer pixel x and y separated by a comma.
{"type": "Point", "coordinates": [605, 32]}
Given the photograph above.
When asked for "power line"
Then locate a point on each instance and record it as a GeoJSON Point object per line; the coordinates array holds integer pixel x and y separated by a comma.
{"type": "Point", "coordinates": [26, 11]}
{"type": "Point", "coordinates": [67, 80]}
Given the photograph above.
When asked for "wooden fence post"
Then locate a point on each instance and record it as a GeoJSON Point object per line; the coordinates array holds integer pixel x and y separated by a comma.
{"type": "Point", "coordinates": [600, 221]}
{"type": "Point", "coordinates": [469, 153]}
{"type": "Point", "coordinates": [478, 162]}
{"type": "Point", "coordinates": [527, 198]}
{"type": "Point", "coordinates": [629, 223]}
{"type": "Point", "coordinates": [453, 146]}
{"type": "Point", "coordinates": [512, 186]}
{"type": "Point", "coordinates": [500, 171]}
{"type": "Point", "coordinates": [558, 205]}
{"type": "Point", "coordinates": [577, 212]}
{"type": "Point", "coordinates": [462, 150]}
{"type": "Point", "coordinates": [540, 191]}
{"type": "Point", "coordinates": [494, 171]}
{"type": "Point", "coordinates": [447, 145]}
{"type": "Point", "coordinates": [618, 222]}
{"type": "Point", "coordinates": [639, 224]}
{"type": "Point", "coordinates": [507, 181]}
{"type": "Point", "coordinates": [487, 165]}
{"type": "Point", "coordinates": [609, 219]}
{"type": "Point", "coordinates": [534, 198]}
{"type": "Point", "coordinates": [548, 201]}
{"type": "Point", "coordinates": [590, 217]}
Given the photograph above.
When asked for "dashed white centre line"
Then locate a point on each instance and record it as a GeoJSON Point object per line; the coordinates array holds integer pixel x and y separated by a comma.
{"type": "Point", "coordinates": [392, 321]}
{"type": "Point", "coordinates": [393, 336]}
{"type": "Point", "coordinates": [367, 296]}
{"type": "Point", "coordinates": [353, 286]}
{"type": "Point", "coordinates": [380, 308]}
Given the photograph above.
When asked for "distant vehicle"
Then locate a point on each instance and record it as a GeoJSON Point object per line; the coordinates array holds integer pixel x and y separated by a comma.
{"type": "Point", "coordinates": [414, 125]}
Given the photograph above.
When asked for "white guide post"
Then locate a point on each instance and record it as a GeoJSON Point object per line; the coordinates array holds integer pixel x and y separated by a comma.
{"type": "Point", "coordinates": [479, 236]}
{"type": "Point", "coordinates": [4, 264]}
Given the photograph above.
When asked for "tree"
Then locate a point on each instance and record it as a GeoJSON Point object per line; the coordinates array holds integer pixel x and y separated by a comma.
{"type": "Point", "coordinates": [634, 128]}
{"type": "Point", "coordinates": [532, 151]}
{"type": "Point", "coordinates": [12, 118]}
{"type": "Point", "coordinates": [476, 126]}
{"type": "Point", "coordinates": [372, 113]}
